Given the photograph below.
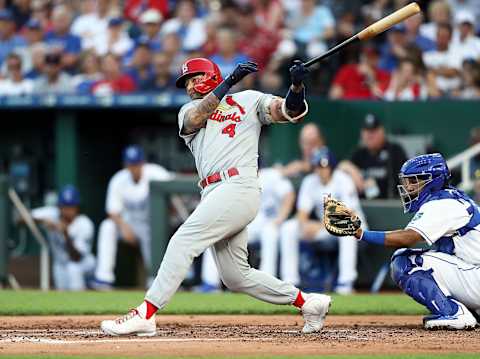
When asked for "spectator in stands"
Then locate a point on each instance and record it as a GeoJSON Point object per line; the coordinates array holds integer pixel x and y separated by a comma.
{"type": "Point", "coordinates": [374, 11]}
{"type": "Point", "coordinates": [470, 88]}
{"type": "Point", "coordinates": [41, 10]}
{"type": "Point", "coordinates": [21, 12]}
{"type": "Point", "coordinates": [141, 69]}
{"type": "Point", "coordinates": [227, 56]}
{"type": "Point", "coordinates": [114, 39]}
{"type": "Point", "coordinates": [9, 41]}
{"type": "Point", "coordinates": [134, 8]}
{"type": "Point", "coordinates": [466, 44]}
{"type": "Point", "coordinates": [53, 80]}
{"type": "Point", "coordinates": [412, 27]}
{"type": "Point", "coordinates": [92, 23]}
{"type": "Point", "coordinates": [33, 34]}
{"type": "Point", "coordinates": [310, 140]}
{"type": "Point", "coordinates": [470, 6]}
{"type": "Point", "coordinates": [395, 49]}
{"type": "Point", "coordinates": [38, 53]}
{"type": "Point", "coordinates": [189, 28]}
{"type": "Point", "coordinates": [313, 26]}
{"type": "Point", "coordinates": [61, 39]}
{"type": "Point", "coordinates": [15, 84]}
{"type": "Point", "coordinates": [375, 165]}
{"type": "Point", "coordinates": [172, 48]}
{"type": "Point", "coordinates": [439, 13]}
{"type": "Point", "coordinates": [443, 65]}
{"type": "Point", "coordinates": [269, 13]}
{"type": "Point", "coordinates": [162, 77]}
{"type": "Point", "coordinates": [114, 81]}
{"type": "Point", "coordinates": [363, 80]}
{"type": "Point", "coordinates": [70, 238]}
{"type": "Point", "coordinates": [89, 73]}
{"type": "Point", "coordinates": [325, 178]}
{"type": "Point", "coordinates": [254, 41]}
{"type": "Point", "coordinates": [406, 83]}
{"type": "Point", "coordinates": [151, 21]}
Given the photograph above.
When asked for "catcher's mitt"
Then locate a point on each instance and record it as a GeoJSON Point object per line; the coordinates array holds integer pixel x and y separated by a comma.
{"type": "Point", "coordinates": [339, 220]}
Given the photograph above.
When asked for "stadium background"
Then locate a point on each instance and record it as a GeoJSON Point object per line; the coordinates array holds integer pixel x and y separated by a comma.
{"type": "Point", "coordinates": [51, 139]}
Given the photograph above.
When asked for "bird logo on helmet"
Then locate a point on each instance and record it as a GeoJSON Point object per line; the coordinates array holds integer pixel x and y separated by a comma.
{"type": "Point", "coordinates": [419, 178]}
{"type": "Point", "coordinates": [211, 79]}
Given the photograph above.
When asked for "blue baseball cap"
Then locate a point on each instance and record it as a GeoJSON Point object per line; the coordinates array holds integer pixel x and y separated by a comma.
{"type": "Point", "coordinates": [69, 196]}
{"type": "Point", "coordinates": [115, 21]}
{"type": "Point", "coordinates": [133, 155]}
{"type": "Point", "coordinates": [323, 157]}
{"type": "Point", "coordinates": [6, 14]}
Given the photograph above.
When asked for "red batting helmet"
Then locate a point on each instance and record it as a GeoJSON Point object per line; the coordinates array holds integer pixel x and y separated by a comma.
{"type": "Point", "coordinates": [200, 65]}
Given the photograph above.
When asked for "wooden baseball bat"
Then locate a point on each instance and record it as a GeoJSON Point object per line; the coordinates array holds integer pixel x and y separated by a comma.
{"type": "Point", "coordinates": [372, 30]}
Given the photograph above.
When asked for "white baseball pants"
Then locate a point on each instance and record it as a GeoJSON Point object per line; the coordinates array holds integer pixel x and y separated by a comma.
{"type": "Point", "coordinates": [290, 236]}
{"type": "Point", "coordinates": [220, 221]}
{"type": "Point", "coordinates": [108, 236]}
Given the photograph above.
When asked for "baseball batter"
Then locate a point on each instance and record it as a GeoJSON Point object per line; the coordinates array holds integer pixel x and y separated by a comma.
{"type": "Point", "coordinates": [445, 277]}
{"type": "Point", "coordinates": [276, 202]}
{"type": "Point", "coordinates": [222, 131]}
{"type": "Point", "coordinates": [70, 236]}
{"type": "Point", "coordinates": [128, 213]}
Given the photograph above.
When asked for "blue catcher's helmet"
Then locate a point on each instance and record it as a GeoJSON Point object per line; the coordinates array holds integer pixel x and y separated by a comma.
{"type": "Point", "coordinates": [69, 196]}
{"type": "Point", "coordinates": [419, 177]}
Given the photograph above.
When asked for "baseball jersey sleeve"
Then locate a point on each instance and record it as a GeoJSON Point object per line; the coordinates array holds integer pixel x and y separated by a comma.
{"type": "Point", "coordinates": [305, 201]}
{"type": "Point", "coordinates": [263, 108]}
{"type": "Point", "coordinates": [158, 173]}
{"type": "Point", "coordinates": [439, 218]}
{"type": "Point", "coordinates": [82, 235]}
{"type": "Point", "coordinates": [181, 121]}
{"type": "Point", "coordinates": [284, 187]}
{"type": "Point", "coordinates": [114, 202]}
{"type": "Point", "coordinates": [49, 213]}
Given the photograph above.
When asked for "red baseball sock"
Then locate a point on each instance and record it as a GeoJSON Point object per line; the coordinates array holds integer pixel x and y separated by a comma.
{"type": "Point", "coordinates": [151, 309]}
{"type": "Point", "coordinates": [299, 301]}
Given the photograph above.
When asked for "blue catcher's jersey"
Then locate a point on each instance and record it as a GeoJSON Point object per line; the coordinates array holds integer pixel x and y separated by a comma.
{"type": "Point", "coordinates": [449, 221]}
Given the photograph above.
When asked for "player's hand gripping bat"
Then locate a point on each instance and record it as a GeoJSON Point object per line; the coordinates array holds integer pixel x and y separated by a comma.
{"type": "Point", "coordinates": [372, 30]}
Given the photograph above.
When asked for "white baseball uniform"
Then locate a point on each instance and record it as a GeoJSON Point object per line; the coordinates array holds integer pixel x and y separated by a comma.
{"type": "Point", "coordinates": [228, 140]}
{"type": "Point", "coordinates": [68, 274]}
{"type": "Point", "coordinates": [310, 198]}
{"type": "Point", "coordinates": [275, 187]}
{"type": "Point", "coordinates": [130, 200]}
{"type": "Point", "coordinates": [458, 273]}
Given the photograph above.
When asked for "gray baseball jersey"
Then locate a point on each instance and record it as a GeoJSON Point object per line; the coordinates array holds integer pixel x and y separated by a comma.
{"type": "Point", "coordinates": [230, 137]}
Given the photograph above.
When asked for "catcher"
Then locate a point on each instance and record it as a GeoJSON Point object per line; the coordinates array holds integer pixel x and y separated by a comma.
{"type": "Point", "coordinates": [445, 277]}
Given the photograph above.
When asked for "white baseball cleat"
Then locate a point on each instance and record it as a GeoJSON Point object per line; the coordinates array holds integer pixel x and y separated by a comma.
{"type": "Point", "coordinates": [462, 320]}
{"type": "Point", "coordinates": [130, 324]}
{"type": "Point", "coordinates": [314, 311]}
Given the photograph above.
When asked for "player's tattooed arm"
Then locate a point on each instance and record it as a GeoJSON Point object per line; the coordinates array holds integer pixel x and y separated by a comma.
{"type": "Point", "coordinates": [197, 116]}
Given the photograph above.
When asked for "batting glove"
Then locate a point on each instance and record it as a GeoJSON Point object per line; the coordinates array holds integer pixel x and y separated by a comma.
{"type": "Point", "coordinates": [240, 72]}
{"type": "Point", "coordinates": [298, 72]}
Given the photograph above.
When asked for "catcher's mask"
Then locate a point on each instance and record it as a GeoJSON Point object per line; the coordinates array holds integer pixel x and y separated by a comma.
{"type": "Point", "coordinates": [419, 177]}
{"type": "Point", "coordinates": [211, 75]}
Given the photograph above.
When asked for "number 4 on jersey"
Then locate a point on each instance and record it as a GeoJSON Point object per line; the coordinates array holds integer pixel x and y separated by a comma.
{"type": "Point", "coordinates": [229, 130]}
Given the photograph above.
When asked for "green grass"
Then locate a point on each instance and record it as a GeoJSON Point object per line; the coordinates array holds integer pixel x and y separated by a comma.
{"type": "Point", "coordinates": [400, 356]}
{"type": "Point", "coordinates": [29, 302]}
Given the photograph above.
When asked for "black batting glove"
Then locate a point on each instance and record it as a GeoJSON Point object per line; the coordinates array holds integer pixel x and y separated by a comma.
{"type": "Point", "coordinates": [240, 72]}
{"type": "Point", "coordinates": [298, 72]}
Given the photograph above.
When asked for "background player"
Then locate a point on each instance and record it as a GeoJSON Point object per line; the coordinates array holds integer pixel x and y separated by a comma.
{"type": "Point", "coordinates": [276, 203]}
{"type": "Point", "coordinates": [222, 131]}
{"type": "Point", "coordinates": [128, 214]}
{"type": "Point", "coordinates": [70, 236]}
{"type": "Point", "coordinates": [325, 179]}
{"type": "Point", "coordinates": [445, 278]}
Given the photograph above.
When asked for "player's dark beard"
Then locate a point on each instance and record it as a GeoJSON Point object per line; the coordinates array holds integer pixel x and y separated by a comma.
{"type": "Point", "coordinates": [196, 95]}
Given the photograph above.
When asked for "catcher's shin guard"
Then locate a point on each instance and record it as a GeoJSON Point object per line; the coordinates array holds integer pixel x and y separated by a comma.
{"type": "Point", "coordinates": [420, 285]}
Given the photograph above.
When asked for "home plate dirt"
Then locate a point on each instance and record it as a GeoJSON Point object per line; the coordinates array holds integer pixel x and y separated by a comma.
{"type": "Point", "coordinates": [229, 335]}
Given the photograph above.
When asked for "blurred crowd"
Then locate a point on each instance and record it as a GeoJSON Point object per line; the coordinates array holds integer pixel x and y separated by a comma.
{"type": "Point", "coordinates": [105, 47]}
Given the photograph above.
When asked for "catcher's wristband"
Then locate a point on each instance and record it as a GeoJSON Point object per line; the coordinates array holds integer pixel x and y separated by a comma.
{"type": "Point", "coordinates": [374, 237]}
